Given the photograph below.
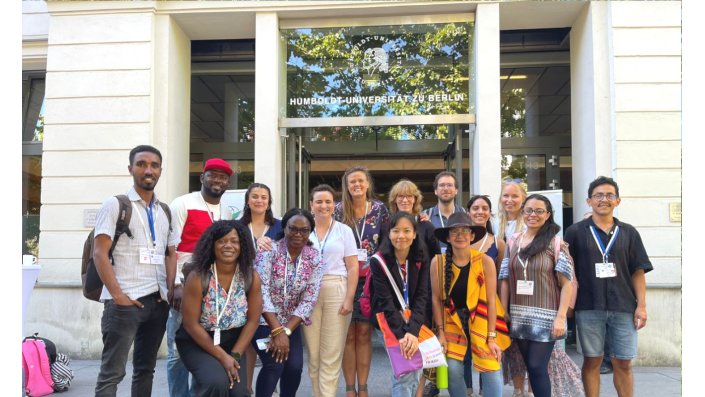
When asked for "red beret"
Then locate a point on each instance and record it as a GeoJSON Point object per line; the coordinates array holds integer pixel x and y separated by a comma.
{"type": "Point", "coordinates": [218, 165]}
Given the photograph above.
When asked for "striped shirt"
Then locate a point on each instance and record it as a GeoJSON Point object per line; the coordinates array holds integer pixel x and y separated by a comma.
{"type": "Point", "coordinates": [532, 315]}
{"type": "Point", "coordinates": [136, 279]}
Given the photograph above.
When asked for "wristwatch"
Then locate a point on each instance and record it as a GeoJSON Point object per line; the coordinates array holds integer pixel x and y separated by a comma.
{"type": "Point", "coordinates": [287, 331]}
{"type": "Point", "coordinates": [236, 356]}
{"type": "Point", "coordinates": [491, 334]}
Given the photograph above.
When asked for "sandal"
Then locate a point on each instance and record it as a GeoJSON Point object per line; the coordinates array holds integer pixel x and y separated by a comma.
{"type": "Point", "coordinates": [350, 389]}
{"type": "Point", "coordinates": [362, 389]}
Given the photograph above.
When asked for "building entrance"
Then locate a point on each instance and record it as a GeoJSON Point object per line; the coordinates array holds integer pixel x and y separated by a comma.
{"type": "Point", "coordinates": [414, 152]}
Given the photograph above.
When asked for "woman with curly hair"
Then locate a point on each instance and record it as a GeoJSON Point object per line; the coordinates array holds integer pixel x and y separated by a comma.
{"type": "Point", "coordinates": [466, 309]}
{"type": "Point", "coordinates": [221, 307]}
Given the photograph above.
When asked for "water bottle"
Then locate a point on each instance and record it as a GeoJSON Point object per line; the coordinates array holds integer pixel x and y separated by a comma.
{"type": "Point", "coordinates": [442, 377]}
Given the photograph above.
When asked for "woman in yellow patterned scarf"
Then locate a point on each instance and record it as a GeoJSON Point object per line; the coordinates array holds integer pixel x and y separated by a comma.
{"type": "Point", "coordinates": [471, 319]}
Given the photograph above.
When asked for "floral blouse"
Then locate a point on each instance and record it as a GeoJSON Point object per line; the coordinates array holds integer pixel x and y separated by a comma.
{"type": "Point", "coordinates": [374, 223]}
{"type": "Point", "coordinates": [234, 315]}
{"type": "Point", "coordinates": [303, 282]}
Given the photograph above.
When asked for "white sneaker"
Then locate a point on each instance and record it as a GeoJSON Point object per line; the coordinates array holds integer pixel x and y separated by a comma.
{"type": "Point", "coordinates": [471, 394]}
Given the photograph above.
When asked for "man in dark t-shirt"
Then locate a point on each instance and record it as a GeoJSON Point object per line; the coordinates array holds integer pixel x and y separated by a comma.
{"type": "Point", "coordinates": [610, 266]}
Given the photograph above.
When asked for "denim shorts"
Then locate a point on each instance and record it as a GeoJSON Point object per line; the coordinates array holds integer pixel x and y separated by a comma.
{"type": "Point", "coordinates": [595, 327]}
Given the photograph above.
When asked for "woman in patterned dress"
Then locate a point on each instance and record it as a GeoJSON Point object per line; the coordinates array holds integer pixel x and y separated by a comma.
{"type": "Point", "coordinates": [291, 279]}
{"type": "Point", "coordinates": [220, 320]}
{"type": "Point", "coordinates": [367, 217]}
{"type": "Point", "coordinates": [539, 289]}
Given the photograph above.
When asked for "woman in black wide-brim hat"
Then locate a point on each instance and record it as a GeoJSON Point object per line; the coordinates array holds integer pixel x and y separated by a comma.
{"type": "Point", "coordinates": [466, 308]}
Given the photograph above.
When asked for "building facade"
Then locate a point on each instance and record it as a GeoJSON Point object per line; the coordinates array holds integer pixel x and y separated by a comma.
{"type": "Point", "coordinates": [291, 93]}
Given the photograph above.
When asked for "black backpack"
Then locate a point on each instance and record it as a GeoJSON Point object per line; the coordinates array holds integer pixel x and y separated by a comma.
{"type": "Point", "coordinates": [90, 280]}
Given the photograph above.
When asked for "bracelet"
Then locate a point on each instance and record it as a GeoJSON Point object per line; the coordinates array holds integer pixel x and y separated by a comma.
{"type": "Point", "coordinates": [276, 332]}
{"type": "Point", "coordinates": [491, 334]}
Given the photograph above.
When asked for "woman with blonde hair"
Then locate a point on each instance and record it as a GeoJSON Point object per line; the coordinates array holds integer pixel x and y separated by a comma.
{"type": "Point", "coordinates": [511, 221]}
{"type": "Point", "coordinates": [510, 201]}
{"type": "Point", "coordinates": [406, 196]}
{"type": "Point", "coordinates": [367, 217]}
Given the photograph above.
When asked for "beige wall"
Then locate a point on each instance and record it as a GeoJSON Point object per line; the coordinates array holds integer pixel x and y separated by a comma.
{"type": "Point", "coordinates": [113, 81]}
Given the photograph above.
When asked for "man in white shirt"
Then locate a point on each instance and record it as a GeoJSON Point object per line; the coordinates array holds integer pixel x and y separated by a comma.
{"type": "Point", "coordinates": [140, 280]}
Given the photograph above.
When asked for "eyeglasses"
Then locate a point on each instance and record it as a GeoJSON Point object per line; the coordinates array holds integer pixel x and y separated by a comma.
{"type": "Point", "coordinates": [459, 232]}
{"type": "Point", "coordinates": [446, 185]}
{"type": "Point", "coordinates": [537, 211]}
{"type": "Point", "coordinates": [405, 197]}
{"type": "Point", "coordinates": [301, 232]}
{"type": "Point", "coordinates": [601, 196]}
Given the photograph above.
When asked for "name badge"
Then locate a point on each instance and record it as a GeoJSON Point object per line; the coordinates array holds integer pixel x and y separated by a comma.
{"type": "Point", "coordinates": [605, 270]}
{"type": "Point", "coordinates": [216, 336]}
{"type": "Point", "coordinates": [361, 255]}
{"type": "Point", "coordinates": [150, 256]}
{"type": "Point", "coordinates": [145, 256]}
{"type": "Point", "coordinates": [157, 259]}
{"type": "Point", "coordinates": [525, 287]}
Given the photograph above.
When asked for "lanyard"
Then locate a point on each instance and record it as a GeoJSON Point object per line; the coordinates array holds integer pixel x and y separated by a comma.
{"type": "Point", "coordinates": [322, 246]}
{"type": "Point", "coordinates": [604, 251]}
{"type": "Point", "coordinates": [523, 264]}
{"type": "Point", "coordinates": [286, 270]}
{"type": "Point", "coordinates": [252, 232]}
{"type": "Point", "coordinates": [405, 280]}
{"type": "Point", "coordinates": [151, 219]}
{"type": "Point", "coordinates": [364, 221]}
{"type": "Point", "coordinates": [218, 313]}
{"type": "Point", "coordinates": [440, 217]}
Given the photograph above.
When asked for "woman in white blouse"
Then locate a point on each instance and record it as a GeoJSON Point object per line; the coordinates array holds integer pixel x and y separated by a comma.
{"type": "Point", "coordinates": [325, 337]}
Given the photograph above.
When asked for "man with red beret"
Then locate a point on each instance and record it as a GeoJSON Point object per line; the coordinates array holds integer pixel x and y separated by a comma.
{"type": "Point", "coordinates": [192, 214]}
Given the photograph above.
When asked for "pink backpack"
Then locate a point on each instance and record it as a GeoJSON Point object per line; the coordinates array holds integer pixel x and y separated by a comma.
{"type": "Point", "coordinates": [37, 371]}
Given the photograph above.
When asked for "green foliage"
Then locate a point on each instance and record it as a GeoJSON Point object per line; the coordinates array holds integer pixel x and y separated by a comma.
{"type": "Point", "coordinates": [422, 60]}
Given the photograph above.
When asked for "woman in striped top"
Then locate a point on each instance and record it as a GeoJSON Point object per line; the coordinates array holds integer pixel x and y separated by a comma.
{"type": "Point", "coordinates": [539, 289]}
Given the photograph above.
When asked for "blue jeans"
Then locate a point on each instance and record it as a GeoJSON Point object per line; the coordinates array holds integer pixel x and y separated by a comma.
{"type": "Point", "coordinates": [176, 373]}
{"type": "Point", "coordinates": [406, 385]}
{"type": "Point", "coordinates": [122, 326]}
{"type": "Point", "coordinates": [289, 371]}
{"type": "Point", "coordinates": [491, 381]}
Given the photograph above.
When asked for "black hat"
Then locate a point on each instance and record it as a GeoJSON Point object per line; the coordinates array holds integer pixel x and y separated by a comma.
{"type": "Point", "coordinates": [460, 219]}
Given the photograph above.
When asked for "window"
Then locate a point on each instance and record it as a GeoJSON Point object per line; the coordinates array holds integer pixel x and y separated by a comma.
{"type": "Point", "coordinates": [32, 137]}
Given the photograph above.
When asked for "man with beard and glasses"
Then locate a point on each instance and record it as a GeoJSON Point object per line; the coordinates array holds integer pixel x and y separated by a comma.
{"type": "Point", "coordinates": [193, 213]}
{"type": "Point", "coordinates": [445, 186]}
{"type": "Point", "coordinates": [140, 280]}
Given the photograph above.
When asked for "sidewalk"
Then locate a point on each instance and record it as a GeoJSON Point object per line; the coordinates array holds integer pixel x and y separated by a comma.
{"type": "Point", "coordinates": [648, 381]}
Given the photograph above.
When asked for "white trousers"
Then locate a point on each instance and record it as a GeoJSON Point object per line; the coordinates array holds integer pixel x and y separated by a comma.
{"type": "Point", "coordinates": [325, 337]}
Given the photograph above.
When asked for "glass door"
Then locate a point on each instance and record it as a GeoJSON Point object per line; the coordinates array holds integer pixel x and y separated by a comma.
{"type": "Point", "coordinates": [298, 165]}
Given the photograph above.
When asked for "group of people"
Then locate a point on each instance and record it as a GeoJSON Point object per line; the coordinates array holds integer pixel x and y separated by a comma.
{"type": "Point", "coordinates": [228, 291]}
